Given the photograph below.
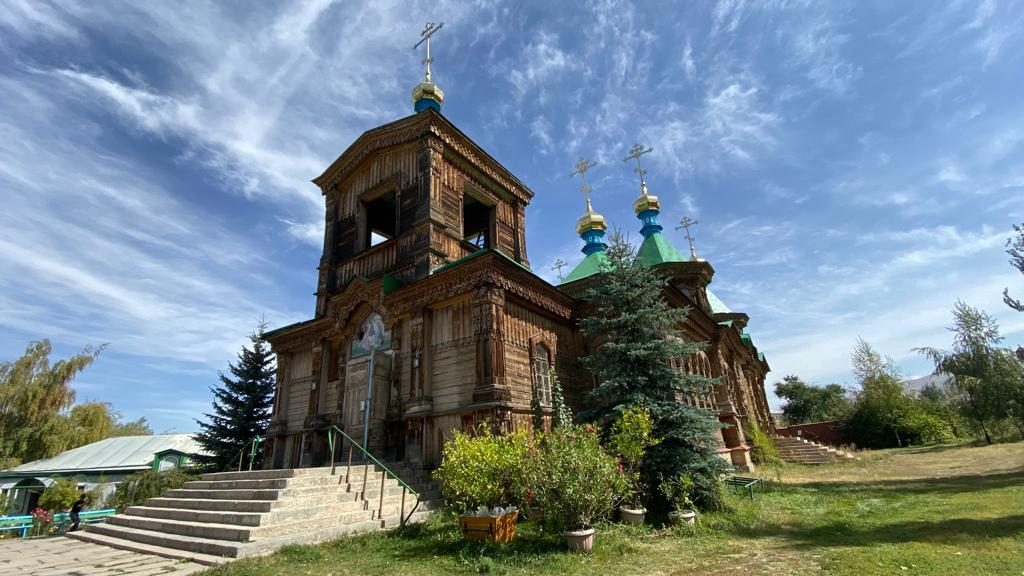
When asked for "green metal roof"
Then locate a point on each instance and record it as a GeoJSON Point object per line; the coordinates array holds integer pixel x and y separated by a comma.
{"type": "Point", "coordinates": [587, 267]}
{"type": "Point", "coordinates": [717, 306]}
{"type": "Point", "coordinates": [120, 453]}
{"type": "Point", "coordinates": [656, 249]}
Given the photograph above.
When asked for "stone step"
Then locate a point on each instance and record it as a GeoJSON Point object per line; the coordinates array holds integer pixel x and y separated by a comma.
{"type": "Point", "coordinates": [184, 528]}
{"type": "Point", "coordinates": [219, 505]}
{"type": "Point", "coordinates": [356, 476]}
{"type": "Point", "coordinates": [265, 474]}
{"type": "Point", "coordinates": [208, 546]}
{"type": "Point", "coordinates": [131, 546]}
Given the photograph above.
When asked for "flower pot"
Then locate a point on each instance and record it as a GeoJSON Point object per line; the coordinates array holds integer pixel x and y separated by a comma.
{"type": "Point", "coordinates": [579, 540]}
{"type": "Point", "coordinates": [682, 517]}
{"type": "Point", "coordinates": [494, 528]}
{"type": "Point", "coordinates": [634, 516]}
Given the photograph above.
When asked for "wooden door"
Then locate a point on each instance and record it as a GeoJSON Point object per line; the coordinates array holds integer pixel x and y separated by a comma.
{"type": "Point", "coordinates": [355, 398]}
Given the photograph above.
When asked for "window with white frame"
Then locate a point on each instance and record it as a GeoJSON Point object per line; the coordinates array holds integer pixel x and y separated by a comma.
{"type": "Point", "coordinates": [542, 373]}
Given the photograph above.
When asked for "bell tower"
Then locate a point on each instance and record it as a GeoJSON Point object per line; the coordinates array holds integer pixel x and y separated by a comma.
{"type": "Point", "coordinates": [414, 195]}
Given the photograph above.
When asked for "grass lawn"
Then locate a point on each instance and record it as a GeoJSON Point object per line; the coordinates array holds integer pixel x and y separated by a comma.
{"type": "Point", "coordinates": [931, 511]}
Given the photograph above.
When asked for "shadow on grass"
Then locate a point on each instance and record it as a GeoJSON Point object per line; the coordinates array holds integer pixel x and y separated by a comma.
{"type": "Point", "coordinates": [441, 537]}
{"type": "Point", "coordinates": [944, 485]}
{"type": "Point", "coordinates": [963, 531]}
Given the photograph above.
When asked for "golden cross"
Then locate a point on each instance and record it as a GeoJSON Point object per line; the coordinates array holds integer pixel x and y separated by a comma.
{"type": "Point", "coordinates": [634, 154]}
{"type": "Point", "coordinates": [686, 222]}
{"type": "Point", "coordinates": [559, 264]}
{"type": "Point", "coordinates": [581, 168]}
{"type": "Point", "coordinates": [428, 31]}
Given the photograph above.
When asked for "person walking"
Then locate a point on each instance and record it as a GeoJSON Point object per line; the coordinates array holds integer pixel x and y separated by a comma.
{"type": "Point", "coordinates": [76, 509]}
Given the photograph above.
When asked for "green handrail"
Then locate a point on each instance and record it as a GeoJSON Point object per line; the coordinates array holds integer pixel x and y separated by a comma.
{"type": "Point", "coordinates": [369, 457]}
{"type": "Point", "coordinates": [251, 445]}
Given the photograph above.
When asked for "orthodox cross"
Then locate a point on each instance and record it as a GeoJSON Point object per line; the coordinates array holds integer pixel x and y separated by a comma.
{"type": "Point", "coordinates": [581, 168]}
{"type": "Point", "coordinates": [559, 264]}
{"type": "Point", "coordinates": [634, 154]}
{"type": "Point", "coordinates": [428, 31]}
{"type": "Point", "coordinates": [686, 222]}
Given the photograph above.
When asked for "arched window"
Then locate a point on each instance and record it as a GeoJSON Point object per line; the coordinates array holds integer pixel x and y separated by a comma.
{"type": "Point", "coordinates": [542, 373]}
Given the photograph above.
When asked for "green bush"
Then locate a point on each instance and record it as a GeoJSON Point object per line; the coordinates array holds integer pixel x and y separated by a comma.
{"type": "Point", "coordinates": [59, 496]}
{"type": "Point", "coordinates": [631, 435]}
{"type": "Point", "coordinates": [484, 470]}
{"type": "Point", "coordinates": [134, 490]}
{"type": "Point", "coordinates": [581, 482]}
{"type": "Point", "coordinates": [763, 449]}
{"type": "Point", "coordinates": [679, 491]}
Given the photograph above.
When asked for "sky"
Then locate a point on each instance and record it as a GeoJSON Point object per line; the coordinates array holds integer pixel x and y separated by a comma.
{"type": "Point", "coordinates": [855, 167]}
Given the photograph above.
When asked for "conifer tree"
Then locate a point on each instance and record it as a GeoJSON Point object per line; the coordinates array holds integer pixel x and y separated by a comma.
{"type": "Point", "coordinates": [561, 413]}
{"type": "Point", "coordinates": [637, 337]}
{"type": "Point", "coordinates": [241, 406]}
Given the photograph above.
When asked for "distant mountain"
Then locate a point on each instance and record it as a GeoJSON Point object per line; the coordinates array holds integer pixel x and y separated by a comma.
{"type": "Point", "coordinates": [915, 386]}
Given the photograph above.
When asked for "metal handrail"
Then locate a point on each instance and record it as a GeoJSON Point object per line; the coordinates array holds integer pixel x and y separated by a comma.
{"type": "Point", "coordinates": [380, 505]}
{"type": "Point", "coordinates": [251, 445]}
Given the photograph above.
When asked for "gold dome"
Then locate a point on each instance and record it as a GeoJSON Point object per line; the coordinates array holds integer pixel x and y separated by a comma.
{"type": "Point", "coordinates": [427, 91]}
{"type": "Point", "coordinates": [646, 202]}
{"type": "Point", "coordinates": [590, 221]}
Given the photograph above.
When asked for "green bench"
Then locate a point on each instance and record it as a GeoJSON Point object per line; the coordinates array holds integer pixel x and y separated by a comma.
{"type": "Point", "coordinates": [63, 519]}
{"type": "Point", "coordinates": [22, 523]}
{"type": "Point", "coordinates": [745, 483]}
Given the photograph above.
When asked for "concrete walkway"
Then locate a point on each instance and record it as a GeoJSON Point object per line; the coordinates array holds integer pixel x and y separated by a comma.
{"type": "Point", "coordinates": [60, 556]}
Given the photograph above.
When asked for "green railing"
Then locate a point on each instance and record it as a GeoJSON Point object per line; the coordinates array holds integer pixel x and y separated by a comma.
{"type": "Point", "coordinates": [352, 444]}
{"type": "Point", "coordinates": [251, 446]}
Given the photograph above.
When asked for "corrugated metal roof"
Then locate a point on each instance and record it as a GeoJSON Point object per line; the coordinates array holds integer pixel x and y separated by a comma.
{"type": "Point", "coordinates": [125, 452]}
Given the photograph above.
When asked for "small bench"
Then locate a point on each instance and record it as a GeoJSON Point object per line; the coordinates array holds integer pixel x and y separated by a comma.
{"type": "Point", "coordinates": [745, 482]}
{"type": "Point", "coordinates": [63, 519]}
{"type": "Point", "coordinates": [22, 523]}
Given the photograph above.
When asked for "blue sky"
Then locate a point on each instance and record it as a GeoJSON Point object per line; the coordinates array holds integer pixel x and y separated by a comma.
{"type": "Point", "coordinates": [855, 166]}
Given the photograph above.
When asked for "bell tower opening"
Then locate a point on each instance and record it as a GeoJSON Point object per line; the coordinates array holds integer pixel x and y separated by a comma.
{"type": "Point", "coordinates": [477, 222]}
{"type": "Point", "coordinates": [381, 217]}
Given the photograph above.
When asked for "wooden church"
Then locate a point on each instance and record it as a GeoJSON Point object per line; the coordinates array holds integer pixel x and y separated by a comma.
{"type": "Point", "coordinates": [429, 319]}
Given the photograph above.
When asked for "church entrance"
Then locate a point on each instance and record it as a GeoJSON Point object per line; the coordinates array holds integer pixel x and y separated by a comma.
{"type": "Point", "coordinates": [365, 405]}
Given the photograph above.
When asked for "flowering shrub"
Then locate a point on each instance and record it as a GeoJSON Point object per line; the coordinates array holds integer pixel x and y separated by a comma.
{"type": "Point", "coordinates": [42, 522]}
{"type": "Point", "coordinates": [484, 470]}
{"type": "Point", "coordinates": [580, 483]}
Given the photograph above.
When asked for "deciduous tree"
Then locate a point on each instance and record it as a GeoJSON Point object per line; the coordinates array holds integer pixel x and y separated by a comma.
{"type": "Point", "coordinates": [806, 403]}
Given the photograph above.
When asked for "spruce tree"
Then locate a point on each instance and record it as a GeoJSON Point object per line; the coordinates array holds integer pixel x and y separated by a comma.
{"type": "Point", "coordinates": [637, 337]}
{"type": "Point", "coordinates": [241, 407]}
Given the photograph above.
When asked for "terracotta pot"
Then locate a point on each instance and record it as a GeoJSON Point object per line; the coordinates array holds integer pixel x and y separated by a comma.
{"type": "Point", "coordinates": [683, 517]}
{"type": "Point", "coordinates": [579, 540]}
{"type": "Point", "coordinates": [634, 516]}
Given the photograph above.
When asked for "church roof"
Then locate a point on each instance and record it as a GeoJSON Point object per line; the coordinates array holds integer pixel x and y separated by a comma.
{"type": "Point", "coordinates": [587, 267]}
{"type": "Point", "coordinates": [656, 249]}
{"type": "Point", "coordinates": [716, 304]}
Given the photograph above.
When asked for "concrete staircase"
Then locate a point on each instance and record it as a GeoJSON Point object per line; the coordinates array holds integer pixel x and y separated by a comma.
{"type": "Point", "coordinates": [801, 451]}
{"type": "Point", "coordinates": [234, 514]}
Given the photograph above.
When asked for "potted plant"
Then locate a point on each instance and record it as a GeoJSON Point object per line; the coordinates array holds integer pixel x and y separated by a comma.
{"type": "Point", "coordinates": [481, 476]}
{"type": "Point", "coordinates": [582, 483]}
{"type": "Point", "coordinates": [631, 436]}
{"type": "Point", "coordinates": [678, 490]}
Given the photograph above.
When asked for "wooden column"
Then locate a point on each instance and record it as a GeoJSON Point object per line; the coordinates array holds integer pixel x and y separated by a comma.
{"type": "Point", "coordinates": [489, 329]}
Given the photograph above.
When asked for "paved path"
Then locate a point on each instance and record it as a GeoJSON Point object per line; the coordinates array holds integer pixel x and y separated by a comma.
{"type": "Point", "coordinates": [60, 556]}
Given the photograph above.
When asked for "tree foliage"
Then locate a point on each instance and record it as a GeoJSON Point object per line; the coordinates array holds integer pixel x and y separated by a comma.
{"type": "Point", "coordinates": [241, 406]}
{"type": "Point", "coordinates": [35, 399]}
{"type": "Point", "coordinates": [883, 415]}
{"type": "Point", "coordinates": [989, 378]}
{"type": "Point", "coordinates": [135, 489]}
{"type": "Point", "coordinates": [1015, 249]}
{"type": "Point", "coordinates": [59, 496]}
{"type": "Point", "coordinates": [634, 366]}
{"type": "Point", "coordinates": [806, 403]}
